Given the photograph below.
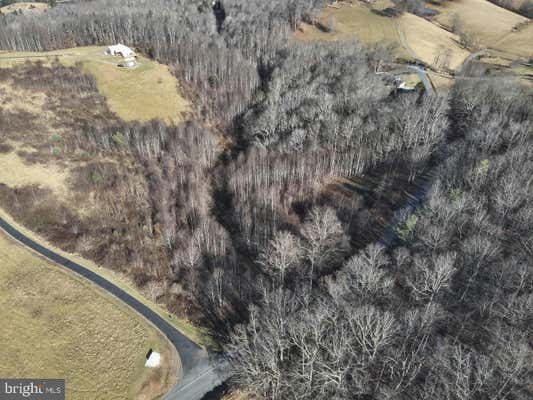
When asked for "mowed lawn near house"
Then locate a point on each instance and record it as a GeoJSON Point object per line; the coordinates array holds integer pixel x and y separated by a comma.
{"type": "Point", "coordinates": [54, 324]}
{"type": "Point", "coordinates": [485, 20]}
{"type": "Point", "coordinates": [145, 92]}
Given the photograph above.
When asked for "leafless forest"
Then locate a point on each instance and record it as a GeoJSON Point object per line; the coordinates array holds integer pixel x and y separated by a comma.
{"type": "Point", "coordinates": [522, 7]}
{"type": "Point", "coordinates": [342, 240]}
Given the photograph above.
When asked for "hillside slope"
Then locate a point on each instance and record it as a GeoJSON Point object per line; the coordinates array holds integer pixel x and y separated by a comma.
{"type": "Point", "coordinates": [485, 20]}
{"type": "Point", "coordinates": [430, 43]}
{"type": "Point", "coordinates": [76, 332]}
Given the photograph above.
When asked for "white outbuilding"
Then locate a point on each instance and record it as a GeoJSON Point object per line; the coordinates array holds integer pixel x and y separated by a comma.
{"type": "Point", "coordinates": [120, 50]}
{"type": "Point", "coordinates": [153, 360]}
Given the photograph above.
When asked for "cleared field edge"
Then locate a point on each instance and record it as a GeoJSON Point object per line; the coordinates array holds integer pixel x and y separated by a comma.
{"type": "Point", "coordinates": [155, 339]}
{"type": "Point", "coordinates": [195, 334]}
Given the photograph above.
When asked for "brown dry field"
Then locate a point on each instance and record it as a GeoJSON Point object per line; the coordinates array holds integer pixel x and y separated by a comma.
{"type": "Point", "coordinates": [358, 22]}
{"type": "Point", "coordinates": [24, 7]}
{"type": "Point", "coordinates": [16, 172]}
{"type": "Point", "coordinates": [55, 324]}
{"type": "Point", "coordinates": [416, 38]}
{"type": "Point", "coordinates": [519, 43]}
{"type": "Point", "coordinates": [422, 39]}
{"type": "Point", "coordinates": [428, 41]}
{"type": "Point", "coordinates": [488, 22]}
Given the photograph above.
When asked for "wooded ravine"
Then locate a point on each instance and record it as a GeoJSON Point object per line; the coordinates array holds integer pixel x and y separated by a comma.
{"type": "Point", "coordinates": [278, 214]}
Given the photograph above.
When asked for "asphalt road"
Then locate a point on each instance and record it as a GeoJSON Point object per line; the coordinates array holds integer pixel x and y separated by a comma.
{"type": "Point", "coordinates": [200, 373]}
{"type": "Point", "coordinates": [407, 68]}
{"type": "Point", "coordinates": [423, 77]}
{"type": "Point", "coordinates": [468, 60]}
{"type": "Point", "coordinates": [205, 377]}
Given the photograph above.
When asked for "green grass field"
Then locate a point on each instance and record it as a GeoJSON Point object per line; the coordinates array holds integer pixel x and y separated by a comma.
{"type": "Point", "coordinates": [142, 93]}
{"type": "Point", "coordinates": [55, 324]}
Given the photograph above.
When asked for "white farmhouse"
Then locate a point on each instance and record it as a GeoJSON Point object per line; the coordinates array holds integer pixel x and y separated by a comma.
{"type": "Point", "coordinates": [120, 50]}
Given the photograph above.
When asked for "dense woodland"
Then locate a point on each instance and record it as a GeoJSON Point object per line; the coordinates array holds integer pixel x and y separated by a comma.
{"type": "Point", "coordinates": [524, 7]}
{"type": "Point", "coordinates": [341, 239]}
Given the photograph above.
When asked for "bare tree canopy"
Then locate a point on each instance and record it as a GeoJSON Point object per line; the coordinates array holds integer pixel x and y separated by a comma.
{"type": "Point", "coordinates": [342, 240]}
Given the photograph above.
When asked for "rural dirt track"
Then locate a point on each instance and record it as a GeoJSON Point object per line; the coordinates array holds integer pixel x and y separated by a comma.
{"type": "Point", "coordinates": [200, 374]}
{"type": "Point", "coordinates": [413, 68]}
{"type": "Point", "coordinates": [403, 41]}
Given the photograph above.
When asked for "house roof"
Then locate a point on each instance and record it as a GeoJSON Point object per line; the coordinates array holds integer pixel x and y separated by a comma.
{"type": "Point", "coordinates": [153, 360]}
{"type": "Point", "coordinates": [120, 48]}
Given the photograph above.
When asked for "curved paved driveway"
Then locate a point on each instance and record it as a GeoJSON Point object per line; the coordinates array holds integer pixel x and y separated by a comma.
{"type": "Point", "coordinates": [408, 68]}
{"type": "Point", "coordinates": [200, 375]}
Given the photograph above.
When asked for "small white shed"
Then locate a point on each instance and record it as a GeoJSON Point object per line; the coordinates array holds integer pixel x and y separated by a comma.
{"type": "Point", "coordinates": [120, 50]}
{"type": "Point", "coordinates": [128, 62]}
{"type": "Point", "coordinates": [153, 360]}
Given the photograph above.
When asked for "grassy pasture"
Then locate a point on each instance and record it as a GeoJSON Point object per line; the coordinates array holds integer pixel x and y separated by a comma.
{"type": "Point", "coordinates": [486, 21]}
{"type": "Point", "coordinates": [142, 93]}
{"type": "Point", "coordinates": [519, 43]}
{"type": "Point", "coordinates": [55, 324]}
{"type": "Point", "coordinates": [413, 37]}
{"type": "Point", "coordinates": [427, 41]}
{"type": "Point", "coordinates": [359, 22]}
{"type": "Point", "coordinates": [24, 7]}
